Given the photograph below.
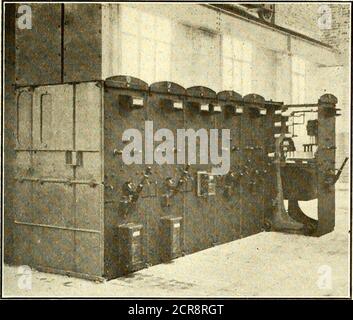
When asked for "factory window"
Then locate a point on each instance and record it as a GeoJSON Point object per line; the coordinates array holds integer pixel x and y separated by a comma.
{"type": "Point", "coordinates": [298, 80]}
{"type": "Point", "coordinates": [145, 45]}
{"type": "Point", "coordinates": [236, 64]}
{"type": "Point", "coordinates": [203, 59]}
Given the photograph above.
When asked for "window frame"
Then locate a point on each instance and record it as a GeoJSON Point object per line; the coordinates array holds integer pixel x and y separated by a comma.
{"type": "Point", "coordinates": [141, 36]}
{"type": "Point", "coordinates": [245, 84]}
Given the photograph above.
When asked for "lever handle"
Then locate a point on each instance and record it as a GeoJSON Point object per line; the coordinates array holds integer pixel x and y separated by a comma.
{"type": "Point", "coordinates": [339, 172]}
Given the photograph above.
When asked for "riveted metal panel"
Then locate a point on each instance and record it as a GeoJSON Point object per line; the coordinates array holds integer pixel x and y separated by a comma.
{"type": "Point", "coordinates": [23, 163]}
{"type": "Point", "coordinates": [38, 49]}
{"type": "Point", "coordinates": [199, 216]}
{"type": "Point", "coordinates": [51, 164]}
{"type": "Point", "coordinates": [56, 248]}
{"type": "Point", "coordinates": [165, 109]}
{"type": "Point", "coordinates": [259, 173]}
{"type": "Point", "coordinates": [88, 201]}
{"type": "Point", "coordinates": [252, 220]}
{"type": "Point", "coordinates": [52, 204]}
{"type": "Point", "coordinates": [52, 138]}
{"type": "Point", "coordinates": [228, 199]}
{"type": "Point", "coordinates": [88, 253]}
{"type": "Point", "coordinates": [24, 118]}
{"type": "Point", "coordinates": [47, 221]}
{"type": "Point", "coordinates": [82, 42]}
{"type": "Point", "coordinates": [23, 201]}
{"type": "Point", "coordinates": [120, 115]}
{"type": "Point", "coordinates": [22, 237]}
{"type": "Point", "coordinates": [88, 130]}
{"type": "Point", "coordinates": [62, 173]}
{"type": "Point", "coordinates": [53, 117]}
{"type": "Point", "coordinates": [88, 116]}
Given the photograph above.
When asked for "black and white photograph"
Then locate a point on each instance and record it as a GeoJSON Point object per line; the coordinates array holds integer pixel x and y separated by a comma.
{"type": "Point", "coordinates": [176, 150]}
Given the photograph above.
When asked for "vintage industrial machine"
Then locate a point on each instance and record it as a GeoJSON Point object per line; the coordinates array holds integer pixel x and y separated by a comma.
{"type": "Point", "coordinates": [307, 174]}
{"type": "Point", "coordinates": [84, 208]}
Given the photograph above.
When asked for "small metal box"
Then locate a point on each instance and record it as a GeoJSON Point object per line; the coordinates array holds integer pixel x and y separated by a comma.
{"type": "Point", "coordinates": [131, 247]}
{"type": "Point", "coordinates": [170, 238]}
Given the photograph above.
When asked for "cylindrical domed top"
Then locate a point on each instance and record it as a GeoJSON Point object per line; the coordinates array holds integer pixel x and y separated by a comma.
{"type": "Point", "coordinates": [126, 82]}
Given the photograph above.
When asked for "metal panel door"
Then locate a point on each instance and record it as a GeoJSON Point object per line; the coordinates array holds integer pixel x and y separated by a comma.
{"type": "Point", "coordinates": [165, 110]}
{"type": "Point", "coordinates": [228, 199]}
{"type": "Point", "coordinates": [121, 113]}
{"type": "Point", "coordinates": [38, 49]}
{"type": "Point", "coordinates": [82, 42]}
{"type": "Point", "coordinates": [88, 173]}
{"type": "Point", "coordinates": [46, 225]}
{"type": "Point", "coordinates": [23, 168]}
{"type": "Point", "coordinates": [53, 197]}
{"type": "Point", "coordinates": [199, 217]}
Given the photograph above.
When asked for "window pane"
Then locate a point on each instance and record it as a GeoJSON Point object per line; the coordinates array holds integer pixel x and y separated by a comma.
{"type": "Point", "coordinates": [298, 65]}
{"type": "Point", "coordinates": [147, 25]}
{"type": "Point", "coordinates": [129, 55]}
{"type": "Point", "coordinates": [295, 88]}
{"type": "Point", "coordinates": [227, 50]}
{"type": "Point", "coordinates": [46, 118]}
{"type": "Point", "coordinates": [237, 49]}
{"type": "Point", "coordinates": [163, 62]}
{"type": "Point", "coordinates": [129, 20]}
{"type": "Point", "coordinates": [237, 76]}
{"type": "Point", "coordinates": [163, 29]}
{"type": "Point", "coordinates": [227, 74]}
{"type": "Point", "coordinates": [147, 60]}
{"type": "Point", "coordinates": [196, 42]}
{"type": "Point", "coordinates": [205, 71]}
{"type": "Point", "coordinates": [301, 86]}
{"type": "Point", "coordinates": [246, 78]}
{"type": "Point", "coordinates": [247, 51]}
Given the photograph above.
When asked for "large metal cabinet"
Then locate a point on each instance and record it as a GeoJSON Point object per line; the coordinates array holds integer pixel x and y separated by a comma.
{"type": "Point", "coordinates": [71, 179]}
{"type": "Point", "coordinates": [59, 209]}
{"type": "Point", "coordinates": [82, 209]}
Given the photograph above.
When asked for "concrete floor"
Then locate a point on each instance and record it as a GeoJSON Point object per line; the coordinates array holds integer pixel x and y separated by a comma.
{"type": "Point", "coordinates": [267, 264]}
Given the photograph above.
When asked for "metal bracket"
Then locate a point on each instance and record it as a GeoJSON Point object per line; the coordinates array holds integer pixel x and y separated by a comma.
{"type": "Point", "coordinates": [74, 158]}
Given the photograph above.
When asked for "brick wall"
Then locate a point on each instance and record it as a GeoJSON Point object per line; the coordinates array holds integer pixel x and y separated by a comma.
{"type": "Point", "coordinates": [339, 33]}
{"type": "Point", "coordinates": [304, 18]}
{"type": "Point", "coordinates": [300, 17]}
